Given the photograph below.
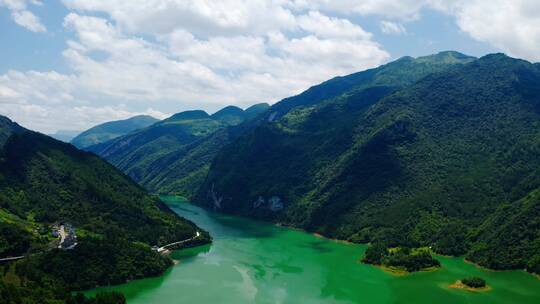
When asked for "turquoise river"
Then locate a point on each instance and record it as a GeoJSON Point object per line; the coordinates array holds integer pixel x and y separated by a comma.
{"type": "Point", "coordinates": [257, 262]}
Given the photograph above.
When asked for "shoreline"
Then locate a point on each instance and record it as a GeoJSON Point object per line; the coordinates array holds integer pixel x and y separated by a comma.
{"type": "Point", "coordinates": [318, 235]}
{"type": "Point", "coordinates": [401, 272]}
{"type": "Point", "coordinates": [459, 285]}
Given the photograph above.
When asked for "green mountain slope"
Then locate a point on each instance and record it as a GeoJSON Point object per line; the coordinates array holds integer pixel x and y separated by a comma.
{"type": "Point", "coordinates": [230, 115]}
{"type": "Point", "coordinates": [109, 130]}
{"type": "Point", "coordinates": [7, 128]}
{"type": "Point", "coordinates": [509, 238]}
{"type": "Point", "coordinates": [44, 181]}
{"type": "Point", "coordinates": [151, 156]}
{"type": "Point", "coordinates": [181, 170]}
{"type": "Point", "coordinates": [393, 75]}
{"type": "Point", "coordinates": [416, 157]}
{"type": "Point", "coordinates": [52, 181]}
{"type": "Point", "coordinates": [191, 163]}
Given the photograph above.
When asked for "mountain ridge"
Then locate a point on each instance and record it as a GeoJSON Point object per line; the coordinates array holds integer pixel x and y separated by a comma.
{"type": "Point", "coordinates": [110, 130]}
{"type": "Point", "coordinates": [145, 155]}
{"type": "Point", "coordinates": [44, 182]}
{"type": "Point", "coordinates": [382, 161]}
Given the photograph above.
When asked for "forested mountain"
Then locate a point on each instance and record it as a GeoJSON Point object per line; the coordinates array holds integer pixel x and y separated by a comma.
{"type": "Point", "coordinates": [388, 77]}
{"type": "Point", "coordinates": [44, 181]}
{"type": "Point", "coordinates": [190, 164]}
{"type": "Point", "coordinates": [7, 128]}
{"type": "Point", "coordinates": [438, 151]}
{"type": "Point", "coordinates": [110, 130]}
{"type": "Point", "coordinates": [173, 155]}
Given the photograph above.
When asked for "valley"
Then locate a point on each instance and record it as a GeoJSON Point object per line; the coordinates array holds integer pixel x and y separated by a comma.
{"type": "Point", "coordinates": [256, 262]}
{"type": "Point", "coordinates": [269, 152]}
{"type": "Point", "coordinates": [437, 151]}
{"type": "Point", "coordinates": [398, 162]}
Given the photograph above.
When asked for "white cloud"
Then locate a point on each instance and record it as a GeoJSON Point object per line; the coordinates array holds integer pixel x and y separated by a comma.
{"type": "Point", "coordinates": [38, 117]}
{"type": "Point", "coordinates": [232, 61]}
{"type": "Point", "coordinates": [326, 27]}
{"type": "Point", "coordinates": [201, 17]}
{"type": "Point", "coordinates": [510, 25]}
{"type": "Point", "coordinates": [28, 20]}
{"type": "Point", "coordinates": [395, 9]}
{"type": "Point", "coordinates": [22, 16]}
{"type": "Point", "coordinates": [35, 87]}
{"type": "Point", "coordinates": [392, 28]}
{"type": "Point", "coordinates": [177, 54]}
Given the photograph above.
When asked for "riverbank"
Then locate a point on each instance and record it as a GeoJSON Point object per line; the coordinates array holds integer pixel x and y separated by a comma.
{"type": "Point", "coordinates": [330, 239]}
{"type": "Point", "coordinates": [319, 235]}
{"type": "Point", "coordinates": [400, 272]}
{"type": "Point", "coordinates": [253, 261]}
{"type": "Point", "coordinates": [459, 285]}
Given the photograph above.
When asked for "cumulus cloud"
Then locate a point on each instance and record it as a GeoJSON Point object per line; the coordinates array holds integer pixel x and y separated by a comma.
{"type": "Point", "coordinates": [327, 27]}
{"type": "Point", "coordinates": [246, 52]}
{"type": "Point", "coordinates": [392, 28]}
{"type": "Point", "coordinates": [22, 16]}
{"type": "Point", "coordinates": [396, 9]}
{"type": "Point", "coordinates": [202, 17]}
{"type": "Point", "coordinates": [38, 117]}
{"type": "Point", "coordinates": [128, 56]}
{"type": "Point", "coordinates": [510, 25]}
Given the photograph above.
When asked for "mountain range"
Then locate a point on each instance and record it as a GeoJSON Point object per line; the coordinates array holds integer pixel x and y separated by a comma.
{"type": "Point", "coordinates": [110, 130]}
{"type": "Point", "coordinates": [437, 151]}
{"type": "Point", "coordinates": [443, 155]}
{"type": "Point", "coordinates": [166, 157]}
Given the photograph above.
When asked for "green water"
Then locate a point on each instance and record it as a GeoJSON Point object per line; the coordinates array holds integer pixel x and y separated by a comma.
{"type": "Point", "coordinates": [255, 262]}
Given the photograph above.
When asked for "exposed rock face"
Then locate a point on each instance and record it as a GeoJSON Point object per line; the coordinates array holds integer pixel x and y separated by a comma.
{"type": "Point", "coordinates": [215, 198]}
{"type": "Point", "coordinates": [273, 204]}
{"type": "Point", "coordinates": [272, 117]}
{"type": "Point", "coordinates": [258, 203]}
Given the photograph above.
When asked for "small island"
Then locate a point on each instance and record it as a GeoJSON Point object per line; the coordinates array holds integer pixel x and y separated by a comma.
{"type": "Point", "coordinates": [401, 260]}
{"type": "Point", "coordinates": [475, 284]}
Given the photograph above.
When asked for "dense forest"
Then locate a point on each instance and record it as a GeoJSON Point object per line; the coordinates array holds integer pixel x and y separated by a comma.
{"type": "Point", "coordinates": [474, 282]}
{"type": "Point", "coordinates": [16, 288]}
{"type": "Point", "coordinates": [173, 155]}
{"type": "Point", "coordinates": [400, 258]}
{"type": "Point", "coordinates": [43, 182]}
{"type": "Point", "coordinates": [110, 130]}
{"type": "Point", "coordinates": [437, 151]}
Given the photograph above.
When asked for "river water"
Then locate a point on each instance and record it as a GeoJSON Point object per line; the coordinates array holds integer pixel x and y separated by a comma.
{"type": "Point", "coordinates": [256, 262]}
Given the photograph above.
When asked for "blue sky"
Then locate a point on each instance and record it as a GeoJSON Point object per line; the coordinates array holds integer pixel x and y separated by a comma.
{"type": "Point", "coordinates": [71, 64]}
{"type": "Point", "coordinates": [27, 50]}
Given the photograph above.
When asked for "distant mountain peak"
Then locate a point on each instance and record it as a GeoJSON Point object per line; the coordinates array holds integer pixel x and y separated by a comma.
{"type": "Point", "coordinates": [112, 129]}
{"type": "Point", "coordinates": [502, 62]}
{"type": "Point", "coordinates": [258, 106]}
{"type": "Point", "coordinates": [453, 54]}
{"type": "Point", "coordinates": [228, 110]}
{"type": "Point", "coordinates": [446, 57]}
{"type": "Point", "coordinates": [499, 57]}
{"type": "Point", "coordinates": [189, 115]}
{"type": "Point", "coordinates": [230, 115]}
{"type": "Point", "coordinates": [142, 116]}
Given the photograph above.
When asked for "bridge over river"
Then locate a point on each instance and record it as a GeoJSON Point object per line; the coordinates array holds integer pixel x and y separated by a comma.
{"type": "Point", "coordinates": [174, 245]}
